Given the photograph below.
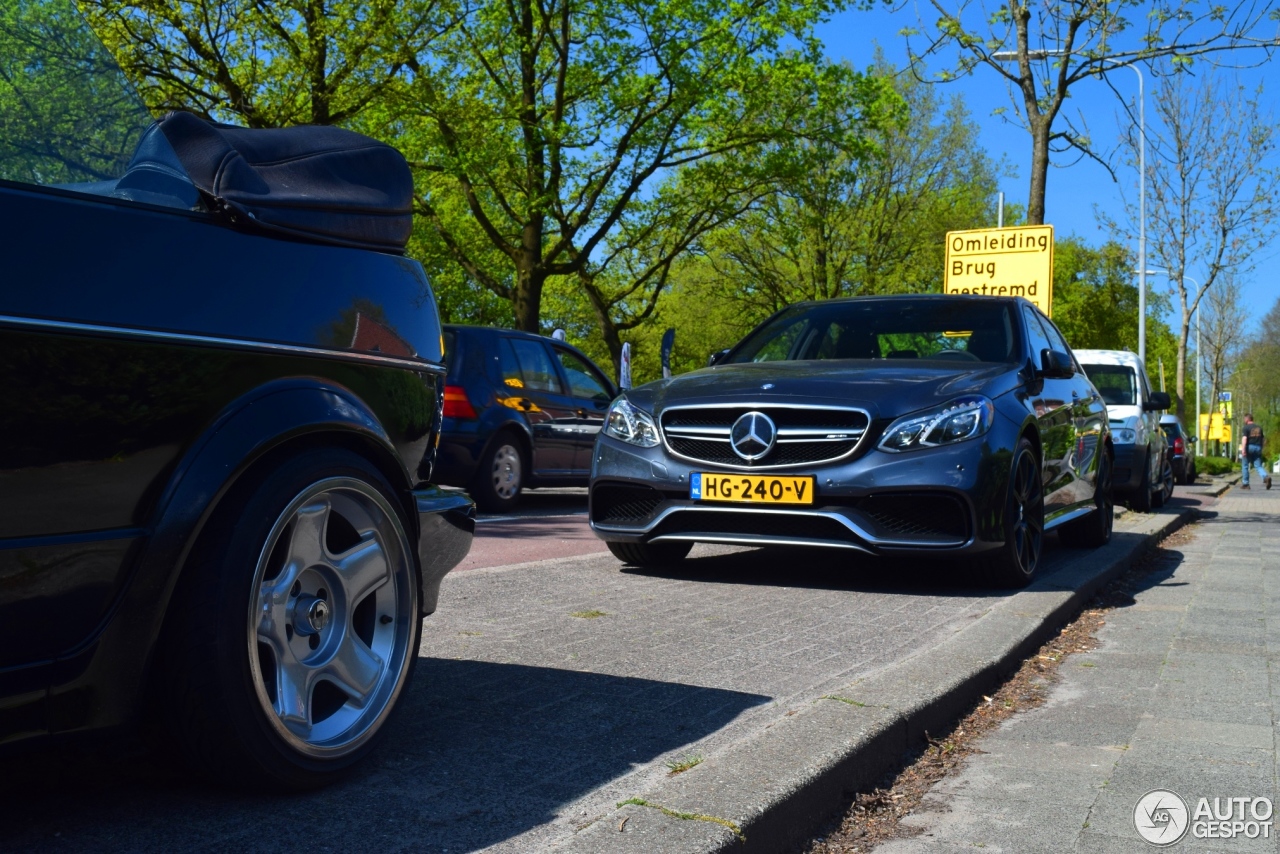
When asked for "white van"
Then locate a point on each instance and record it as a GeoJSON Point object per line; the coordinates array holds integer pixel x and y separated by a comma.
{"type": "Point", "coordinates": [1143, 474]}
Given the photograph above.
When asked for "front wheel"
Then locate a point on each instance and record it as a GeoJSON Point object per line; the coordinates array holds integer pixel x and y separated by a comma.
{"type": "Point", "coordinates": [1015, 563]}
{"type": "Point", "coordinates": [295, 628]}
{"type": "Point", "coordinates": [1142, 500]}
{"type": "Point", "coordinates": [650, 554]}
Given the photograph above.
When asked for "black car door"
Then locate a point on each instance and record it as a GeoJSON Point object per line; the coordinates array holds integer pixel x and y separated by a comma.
{"type": "Point", "coordinates": [591, 393]}
{"type": "Point", "coordinates": [1089, 414]}
{"type": "Point", "coordinates": [552, 414]}
{"type": "Point", "coordinates": [1055, 412]}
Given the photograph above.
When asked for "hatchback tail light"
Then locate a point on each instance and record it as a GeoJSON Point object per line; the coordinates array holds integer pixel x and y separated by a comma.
{"type": "Point", "coordinates": [456, 403]}
{"type": "Point", "coordinates": [1178, 446]}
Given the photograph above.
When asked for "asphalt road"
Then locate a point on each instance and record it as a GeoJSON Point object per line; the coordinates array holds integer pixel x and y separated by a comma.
{"type": "Point", "coordinates": [549, 523]}
{"type": "Point", "coordinates": [547, 690]}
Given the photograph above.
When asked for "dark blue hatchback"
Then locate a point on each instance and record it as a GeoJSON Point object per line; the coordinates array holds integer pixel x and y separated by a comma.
{"type": "Point", "coordinates": [520, 411]}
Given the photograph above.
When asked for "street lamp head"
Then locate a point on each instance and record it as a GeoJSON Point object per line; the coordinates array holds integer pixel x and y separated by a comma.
{"type": "Point", "coordinates": [1043, 53]}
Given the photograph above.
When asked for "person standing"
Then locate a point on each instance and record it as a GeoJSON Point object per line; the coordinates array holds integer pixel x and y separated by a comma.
{"type": "Point", "coordinates": [1251, 442]}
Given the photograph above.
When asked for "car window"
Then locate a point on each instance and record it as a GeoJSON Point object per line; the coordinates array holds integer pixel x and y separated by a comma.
{"type": "Point", "coordinates": [1117, 384]}
{"type": "Point", "coordinates": [584, 381]}
{"type": "Point", "coordinates": [778, 346]}
{"type": "Point", "coordinates": [1056, 341]}
{"type": "Point", "coordinates": [70, 119]}
{"type": "Point", "coordinates": [536, 370]}
{"type": "Point", "coordinates": [962, 330]}
{"type": "Point", "coordinates": [1039, 339]}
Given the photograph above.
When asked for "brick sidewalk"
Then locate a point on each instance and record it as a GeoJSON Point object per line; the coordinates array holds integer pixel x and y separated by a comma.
{"type": "Point", "coordinates": [1179, 696]}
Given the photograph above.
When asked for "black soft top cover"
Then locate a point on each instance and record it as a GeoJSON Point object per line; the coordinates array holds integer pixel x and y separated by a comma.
{"type": "Point", "coordinates": [322, 183]}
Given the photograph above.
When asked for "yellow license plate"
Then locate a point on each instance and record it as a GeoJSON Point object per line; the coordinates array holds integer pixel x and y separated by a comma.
{"type": "Point", "coordinates": [752, 489]}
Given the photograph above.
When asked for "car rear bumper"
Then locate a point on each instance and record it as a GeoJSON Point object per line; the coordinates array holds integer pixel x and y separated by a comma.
{"type": "Point", "coordinates": [446, 526]}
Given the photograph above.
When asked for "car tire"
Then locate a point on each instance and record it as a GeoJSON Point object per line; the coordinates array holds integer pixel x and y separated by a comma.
{"type": "Point", "coordinates": [1142, 499]}
{"type": "Point", "coordinates": [1164, 489]}
{"type": "Point", "coordinates": [1016, 561]}
{"type": "Point", "coordinates": [1094, 530]}
{"type": "Point", "coordinates": [294, 631]}
{"type": "Point", "coordinates": [650, 554]}
{"type": "Point", "coordinates": [501, 476]}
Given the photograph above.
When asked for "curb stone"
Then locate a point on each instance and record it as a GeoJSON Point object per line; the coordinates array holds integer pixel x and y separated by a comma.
{"type": "Point", "coordinates": [771, 790]}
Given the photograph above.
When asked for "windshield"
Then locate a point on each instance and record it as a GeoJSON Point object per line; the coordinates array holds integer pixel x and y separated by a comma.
{"type": "Point", "coordinates": [966, 330]}
{"type": "Point", "coordinates": [70, 119]}
{"type": "Point", "coordinates": [1117, 384]}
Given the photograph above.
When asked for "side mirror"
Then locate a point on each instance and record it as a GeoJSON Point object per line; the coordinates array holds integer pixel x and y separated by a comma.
{"type": "Point", "coordinates": [1158, 402]}
{"type": "Point", "coordinates": [714, 358]}
{"type": "Point", "coordinates": [1056, 365]}
{"type": "Point", "coordinates": [1191, 439]}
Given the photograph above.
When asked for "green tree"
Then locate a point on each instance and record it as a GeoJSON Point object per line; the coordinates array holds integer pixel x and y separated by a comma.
{"type": "Point", "coordinates": [551, 132]}
{"type": "Point", "coordinates": [865, 221]}
{"type": "Point", "coordinates": [67, 114]}
{"type": "Point", "coordinates": [1042, 50]}
{"type": "Point", "coordinates": [1095, 303]}
{"type": "Point", "coordinates": [268, 63]}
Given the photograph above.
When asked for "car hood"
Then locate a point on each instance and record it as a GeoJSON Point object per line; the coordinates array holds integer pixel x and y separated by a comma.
{"type": "Point", "coordinates": [886, 389]}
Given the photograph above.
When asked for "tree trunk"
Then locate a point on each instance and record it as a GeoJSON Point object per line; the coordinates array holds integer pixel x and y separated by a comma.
{"type": "Point", "coordinates": [1039, 169]}
{"type": "Point", "coordinates": [1180, 384]}
{"type": "Point", "coordinates": [530, 277]}
{"type": "Point", "coordinates": [608, 329]}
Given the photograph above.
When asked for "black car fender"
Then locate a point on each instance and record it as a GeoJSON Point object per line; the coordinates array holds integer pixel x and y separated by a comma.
{"type": "Point", "coordinates": [276, 418]}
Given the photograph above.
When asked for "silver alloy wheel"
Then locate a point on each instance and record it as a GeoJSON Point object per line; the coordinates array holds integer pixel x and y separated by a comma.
{"type": "Point", "coordinates": [507, 474]}
{"type": "Point", "coordinates": [328, 632]}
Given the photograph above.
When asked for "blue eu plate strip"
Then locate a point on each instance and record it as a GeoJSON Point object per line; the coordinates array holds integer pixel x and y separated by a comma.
{"type": "Point", "coordinates": [695, 485]}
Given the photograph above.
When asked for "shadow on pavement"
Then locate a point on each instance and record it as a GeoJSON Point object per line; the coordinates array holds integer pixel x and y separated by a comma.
{"type": "Point", "coordinates": [478, 753]}
{"type": "Point", "coordinates": [826, 569]}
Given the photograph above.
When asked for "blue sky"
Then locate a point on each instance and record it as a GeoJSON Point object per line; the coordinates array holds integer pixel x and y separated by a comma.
{"type": "Point", "coordinates": [1074, 189]}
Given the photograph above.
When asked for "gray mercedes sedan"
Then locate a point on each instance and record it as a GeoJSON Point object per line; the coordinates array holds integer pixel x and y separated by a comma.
{"type": "Point", "coordinates": [921, 425]}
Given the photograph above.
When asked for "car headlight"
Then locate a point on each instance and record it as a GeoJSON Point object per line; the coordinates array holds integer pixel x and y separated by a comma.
{"type": "Point", "coordinates": [1124, 436]}
{"type": "Point", "coordinates": [630, 424]}
{"type": "Point", "coordinates": [961, 419]}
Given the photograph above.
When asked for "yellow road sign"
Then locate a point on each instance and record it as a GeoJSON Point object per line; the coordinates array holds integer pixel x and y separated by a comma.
{"type": "Point", "coordinates": [1002, 262]}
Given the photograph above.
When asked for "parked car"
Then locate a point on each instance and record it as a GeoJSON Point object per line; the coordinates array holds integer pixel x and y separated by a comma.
{"type": "Point", "coordinates": [222, 381]}
{"type": "Point", "coordinates": [520, 411]}
{"type": "Point", "coordinates": [1144, 472]}
{"type": "Point", "coordinates": [1182, 453]}
{"type": "Point", "coordinates": [929, 426]}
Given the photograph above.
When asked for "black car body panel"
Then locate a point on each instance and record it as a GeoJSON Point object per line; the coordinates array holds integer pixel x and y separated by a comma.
{"type": "Point", "coordinates": [936, 501]}
{"type": "Point", "coordinates": [150, 357]}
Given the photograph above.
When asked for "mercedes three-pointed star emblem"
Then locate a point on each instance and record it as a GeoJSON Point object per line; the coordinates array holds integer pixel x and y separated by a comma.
{"type": "Point", "coordinates": [753, 435]}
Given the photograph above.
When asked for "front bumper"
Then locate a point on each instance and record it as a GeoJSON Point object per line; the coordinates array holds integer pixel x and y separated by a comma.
{"type": "Point", "coordinates": [940, 501]}
{"type": "Point", "coordinates": [446, 526]}
{"type": "Point", "coordinates": [1128, 466]}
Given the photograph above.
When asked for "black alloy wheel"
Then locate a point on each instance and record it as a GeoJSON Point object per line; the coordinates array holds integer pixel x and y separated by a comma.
{"type": "Point", "coordinates": [1094, 530]}
{"type": "Point", "coordinates": [1014, 564]}
{"type": "Point", "coordinates": [650, 554]}
{"type": "Point", "coordinates": [1164, 489]}
{"type": "Point", "coordinates": [295, 626]}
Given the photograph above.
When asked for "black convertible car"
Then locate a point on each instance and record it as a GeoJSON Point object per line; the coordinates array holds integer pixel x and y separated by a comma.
{"type": "Point", "coordinates": [222, 396]}
{"type": "Point", "coordinates": [930, 426]}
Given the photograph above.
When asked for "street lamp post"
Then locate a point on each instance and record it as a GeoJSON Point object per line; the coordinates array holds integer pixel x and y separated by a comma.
{"type": "Point", "coordinates": [1012, 56]}
{"type": "Point", "coordinates": [1199, 352]}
